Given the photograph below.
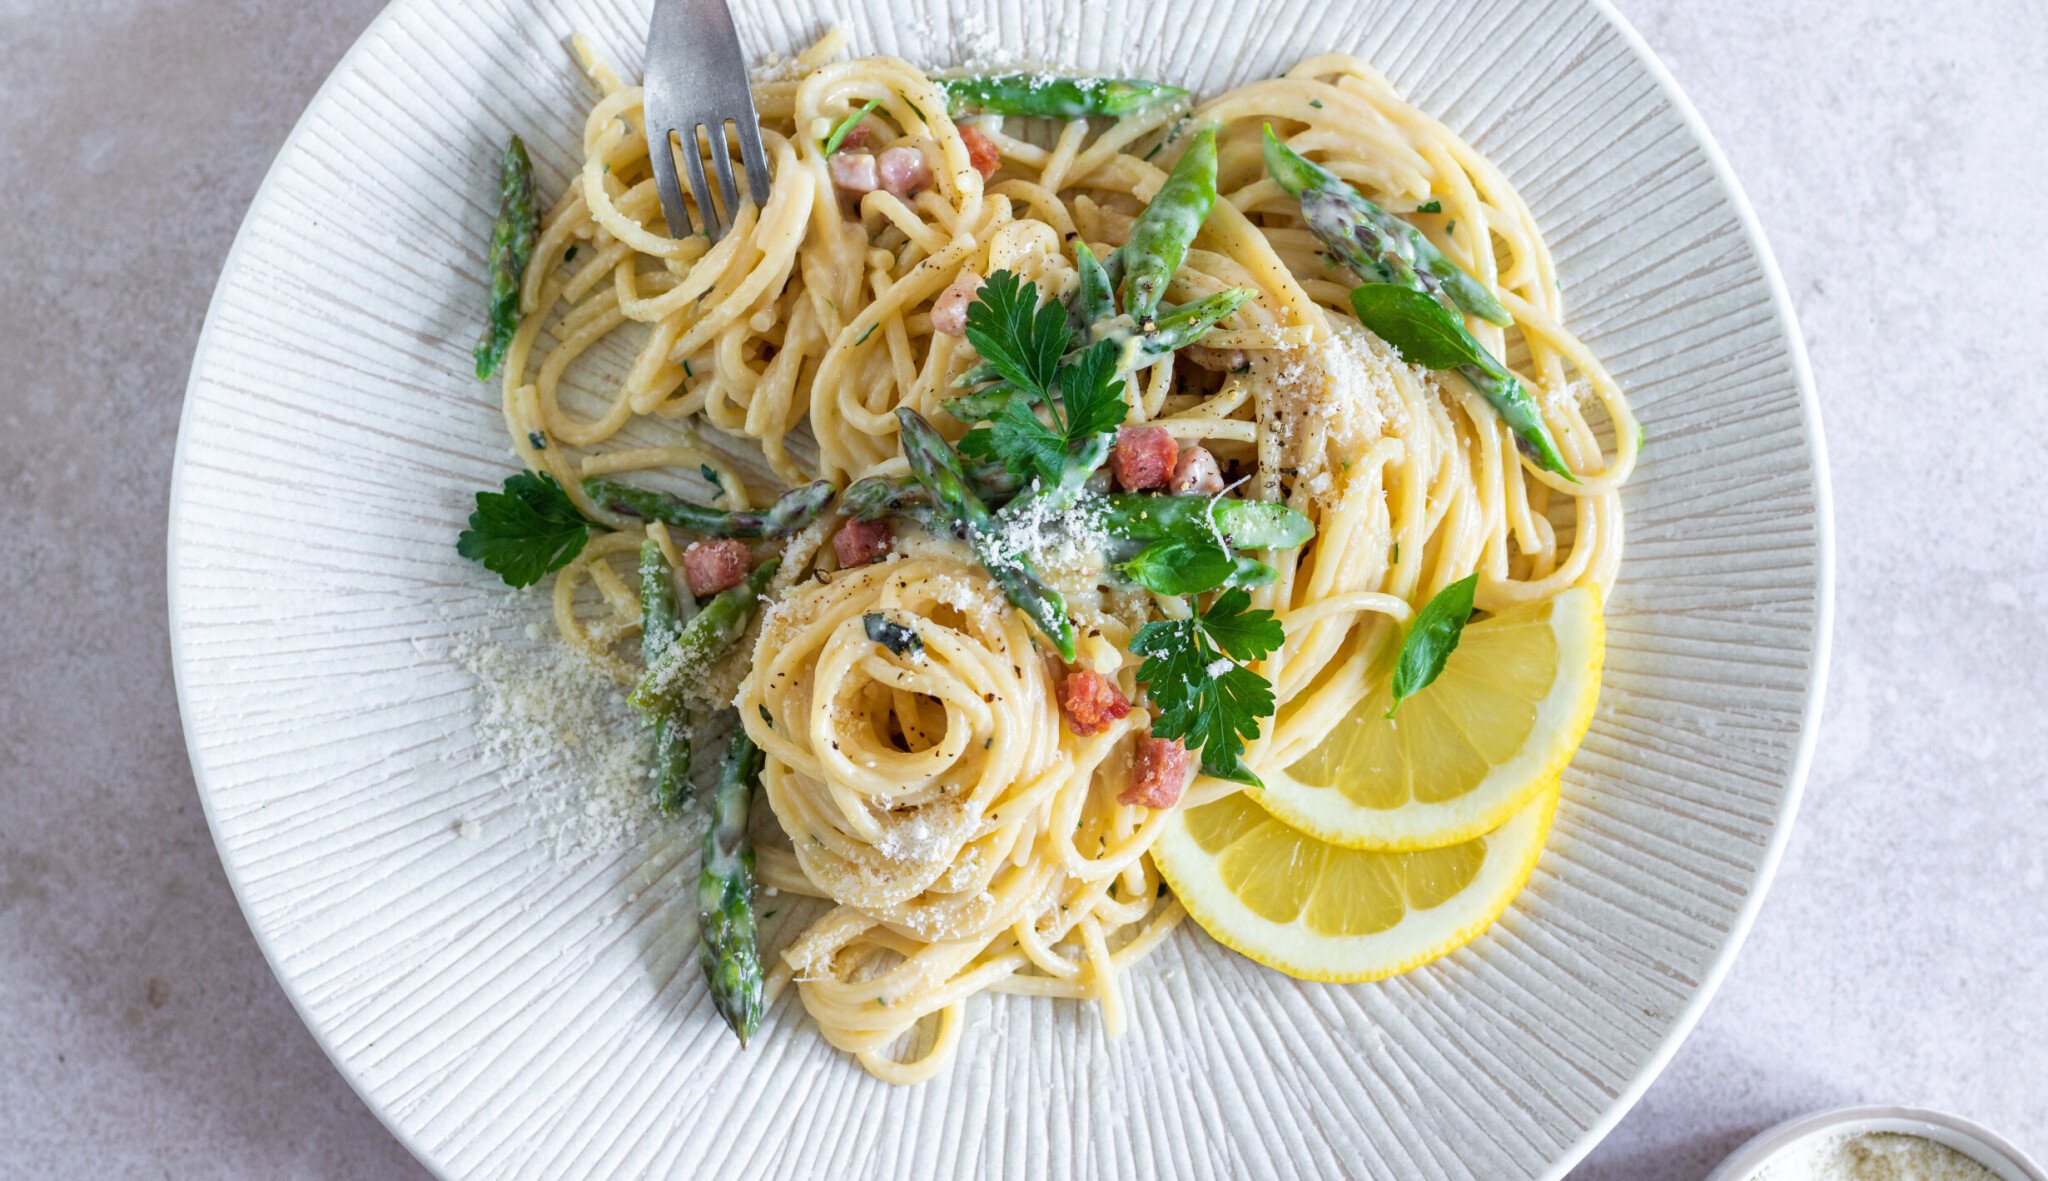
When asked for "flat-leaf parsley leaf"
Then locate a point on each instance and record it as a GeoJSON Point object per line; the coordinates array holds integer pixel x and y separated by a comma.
{"type": "Point", "coordinates": [525, 532]}
{"type": "Point", "coordinates": [1091, 394]}
{"type": "Point", "coordinates": [1211, 709]}
{"type": "Point", "coordinates": [1021, 341]}
{"type": "Point", "coordinates": [1081, 400]}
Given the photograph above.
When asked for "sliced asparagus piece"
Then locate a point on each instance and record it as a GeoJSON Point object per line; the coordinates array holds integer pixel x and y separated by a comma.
{"type": "Point", "coordinates": [660, 625]}
{"type": "Point", "coordinates": [728, 948]}
{"type": "Point", "coordinates": [701, 642]}
{"type": "Point", "coordinates": [1427, 333]}
{"type": "Point", "coordinates": [938, 469]}
{"type": "Point", "coordinates": [1168, 223]}
{"type": "Point", "coordinates": [1052, 97]}
{"type": "Point", "coordinates": [1094, 299]}
{"type": "Point", "coordinates": [791, 512]}
{"type": "Point", "coordinates": [1244, 524]}
{"type": "Point", "coordinates": [1182, 326]}
{"type": "Point", "coordinates": [1378, 246]}
{"type": "Point", "coordinates": [880, 496]}
{"type": "Point", "coordinates": [512, 238]}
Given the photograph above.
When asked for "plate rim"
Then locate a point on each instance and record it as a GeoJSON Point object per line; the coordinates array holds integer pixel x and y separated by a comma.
{"type": "Point", "coordinates": [1824, 595]}
{"type": "Point", "coordinates": [172, 540]}
{"type": "Point", "coordinates": [1802, 753]}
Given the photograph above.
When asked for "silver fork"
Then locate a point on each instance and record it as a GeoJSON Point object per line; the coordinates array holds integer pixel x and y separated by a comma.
{"type": "Point", "coordinates": [697, 78]}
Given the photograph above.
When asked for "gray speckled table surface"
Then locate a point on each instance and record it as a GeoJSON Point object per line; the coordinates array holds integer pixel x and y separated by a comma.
{"type": "Point", "coordinates": [1894, 151]}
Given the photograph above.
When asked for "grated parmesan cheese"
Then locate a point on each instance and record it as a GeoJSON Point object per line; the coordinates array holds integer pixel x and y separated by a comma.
{"type": "Point", "coordinates": [1872, 1156]}
{"type": "Point", "coordinates": [1068, 541]}
{"type": "Point", "coordinates": [1327, 402]}
{"type": "Point", "coordinates": [575, 756]}
{"type": "Point", "coordinates": [1570, 396]}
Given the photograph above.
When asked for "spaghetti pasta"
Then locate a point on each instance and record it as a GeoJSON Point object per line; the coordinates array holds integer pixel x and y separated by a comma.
{"type": "Point", "coordinates": [963, 837]}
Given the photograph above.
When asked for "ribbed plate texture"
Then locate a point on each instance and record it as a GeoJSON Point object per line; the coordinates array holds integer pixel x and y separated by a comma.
{"type": "Point", "coordinates": [510, 1013]}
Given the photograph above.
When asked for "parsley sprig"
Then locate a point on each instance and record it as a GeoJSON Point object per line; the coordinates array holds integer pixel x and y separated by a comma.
{"type": "Point", "coordinates": [1024, 342]}
{"type": "Point", "coordinates": [1051, 417]}
{"type": "Point", "coordinates": [1213, 712]}
{"type": "Point", "coordinates": [525, 532]}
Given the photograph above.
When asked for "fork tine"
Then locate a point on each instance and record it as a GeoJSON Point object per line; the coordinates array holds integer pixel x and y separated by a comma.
{"type": "Point", "coordinates": [721, 160]}
{"type": "Point", "coordinates": [707, 212]}
{"type": "Point", "coordinates": [757, 160]}
{"type": "Point", "coordinates": [673, 210]}
{"type": "Point", "coordinates": [696, 82]}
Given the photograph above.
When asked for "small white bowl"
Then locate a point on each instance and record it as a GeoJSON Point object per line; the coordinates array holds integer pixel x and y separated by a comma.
{"type": "Point", "coordinates": [1979, 1143]}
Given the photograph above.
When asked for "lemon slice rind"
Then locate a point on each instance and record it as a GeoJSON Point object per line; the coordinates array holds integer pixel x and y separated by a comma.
{"type": "Point", "coordinates": [1562, 718]}
{"type": "Point", "coordinates": [1420, 936]}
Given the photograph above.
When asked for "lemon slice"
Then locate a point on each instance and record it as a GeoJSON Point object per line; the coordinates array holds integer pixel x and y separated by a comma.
{"type": "Point", "coordinates": [1322, 912]}
{"type": "Point", "coordinates": [1466, 753]}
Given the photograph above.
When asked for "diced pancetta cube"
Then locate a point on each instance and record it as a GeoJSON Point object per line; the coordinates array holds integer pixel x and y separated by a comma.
{"type": "Point", "coordinates": [904, 171]}
{"type": "Point", "coordinates": [949, 310]}
{"type": "Point", "coordinates": [1143, 457]}
{"type": "Point", "coordinates": [854, 172]}
{"type": "Point", "coordinates": [713, 566]}
{"type": "Point", "coordinates": [859, 542]}
{"type": "Point", "coordinates": [1091, 701]}
{"type": "Point", "coordinates": [1160, 770]}
{"type": "Point", "coordinates": [981, 150]}
{"type": "Point", "coordinates": [858, 137]}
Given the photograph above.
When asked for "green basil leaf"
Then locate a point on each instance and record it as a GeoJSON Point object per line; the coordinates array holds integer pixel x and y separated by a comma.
{"type": "Point", "coordinates": [1179, 567]}
{"type": "Point", "coordinates": [1423, 331]}
{"type": "Point", "coordinates": [1432, 639]}
{"type": "Point", "coordinates": [1193, 567]}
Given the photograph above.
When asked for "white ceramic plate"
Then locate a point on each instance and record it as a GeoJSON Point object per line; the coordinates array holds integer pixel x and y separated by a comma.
{"type": "Point", "coordinates": [512, 1015]}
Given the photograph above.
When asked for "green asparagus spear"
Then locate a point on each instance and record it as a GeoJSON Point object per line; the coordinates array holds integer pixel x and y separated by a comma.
{"type": "Point", "coordinates": [702, 641]}
{"type": "Point", "coordinates": [1180, 327]}
{"type": "Point", "coordinates": [938, 469]}
{"type": "Point", "coordinates": [794, 510]}
{"type": "Point", "coordinates": [1378, 246]}
{"type": "Point", "coordinates": [1393, 256]}
{"type": "Point", "coordinates": [659, 628]}
{"type": "Point", "coordinates": [1136, 518]}
{"type": "Point", "coordinates": [1083, 458]}
{"type": "Point", "coordinates": [1095, 297]}
{"type": "Point", "coordinates": [1160, 237]}
{"type": "Point", "coordinates": [983, 404]}
{"type": "Point", "coordinates": [1052, 97]}
{"type": "Point", "coordinates": [876, 497]}
{"type": "Point", "coordinates": [728, 949]}
{"type": "Point", "coordinates": [512, 238]}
